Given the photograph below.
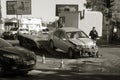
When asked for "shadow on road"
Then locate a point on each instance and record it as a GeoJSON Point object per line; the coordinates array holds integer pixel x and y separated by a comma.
{"type": "Point", "coordinates": [44, 74]}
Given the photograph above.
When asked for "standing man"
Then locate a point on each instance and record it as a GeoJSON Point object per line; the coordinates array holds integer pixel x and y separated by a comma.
{"type": "Point", "coordinates": [60, 23]}
{"type": "Point", "coordinates": [93, 33]}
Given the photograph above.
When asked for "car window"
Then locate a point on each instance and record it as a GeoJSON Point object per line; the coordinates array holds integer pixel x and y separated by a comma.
{"type": "Point", "coordinates": [23, 30]}
{"type": "Point", "coordinates": [78, 34]}
{"type": "Point", "coordinates": [13, 29]}
{"type": "Point", "coordinates": [3, 43]}
{"type": "Point", "coordinates": [56, 33]}
{"type": "Point", "coordinates": [62, 35]}
{"type": "Point", "coordinates": [83, 35]}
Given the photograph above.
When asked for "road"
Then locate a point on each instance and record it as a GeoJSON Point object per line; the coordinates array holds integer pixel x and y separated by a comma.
{"type": "Point", "coordinates": [107, 67]}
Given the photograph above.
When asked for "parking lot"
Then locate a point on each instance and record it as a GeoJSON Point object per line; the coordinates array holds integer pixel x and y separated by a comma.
{"type": "Point", "coordinates": [55, 64]}
{"type": "Point", "coordinates": [53, 60]}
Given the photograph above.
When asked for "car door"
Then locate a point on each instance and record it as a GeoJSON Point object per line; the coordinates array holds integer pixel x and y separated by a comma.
{"type": "Point", "coordinates": [56, 38]}
{"type": "Point", "coordinates": [63, 42]}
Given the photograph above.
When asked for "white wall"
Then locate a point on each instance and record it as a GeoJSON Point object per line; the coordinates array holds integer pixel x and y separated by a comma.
{"type": "Point", "coordinates": [92, 19]}
{"type": "Point", "coordinates": [44, 8]}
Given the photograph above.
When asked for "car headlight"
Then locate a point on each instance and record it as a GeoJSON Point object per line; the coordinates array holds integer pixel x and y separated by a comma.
{"type": "Point", "coordinates": [78, 47]}
{"type": "Point", "coordinates": [31, 62]}
{"type": "Point", "coordinates": [11, 56]}
{"type": "Point", "coordinates": [94, 43]}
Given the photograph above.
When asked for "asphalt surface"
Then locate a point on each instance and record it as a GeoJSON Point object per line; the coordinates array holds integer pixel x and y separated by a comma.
{"type": "Point", "coordinates": [56, 65]}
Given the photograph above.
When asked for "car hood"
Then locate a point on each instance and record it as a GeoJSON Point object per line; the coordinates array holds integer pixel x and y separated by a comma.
{"type": "Point", "coordinates": [21, 52]}
{"type": "Point", "coordinates": [82, 41]}
{"type": "Point", "coordinates": [7, 32]}
{"type": "Point", "coordinates": [13, 32]}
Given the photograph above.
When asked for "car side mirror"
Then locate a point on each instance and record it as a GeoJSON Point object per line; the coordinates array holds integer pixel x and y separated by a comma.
{"type": "Point", "coordinates": [98, 38]}
{"type": "Point", "coordinates": [63, 39]}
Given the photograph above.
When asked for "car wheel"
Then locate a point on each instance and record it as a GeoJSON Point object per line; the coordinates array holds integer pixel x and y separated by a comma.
{"type": "Point", "coordinates": [80, 54]}
{"type": "Point", "coordinates": [20, 43]}
{"type": "Point", "coordinates": [52, 44]}
{"type": "Point", "coordinates": [15, 37]}
{"type": "Point", "coordinates": [97, 54]}
{"type": "Point", "coordinates": [1, 69]}
{"type": "Point", "coordinates": [70, 53]}
{"type": "Point", "coordinates": [23, 72]}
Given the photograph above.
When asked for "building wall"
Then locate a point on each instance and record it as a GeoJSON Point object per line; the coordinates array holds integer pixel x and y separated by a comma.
{"type": "Point", "coordinates": [44, 9]}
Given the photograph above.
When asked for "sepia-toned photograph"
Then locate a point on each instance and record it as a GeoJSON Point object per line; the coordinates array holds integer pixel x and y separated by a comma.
{"type": "Point", "coordinates": [59, 39]}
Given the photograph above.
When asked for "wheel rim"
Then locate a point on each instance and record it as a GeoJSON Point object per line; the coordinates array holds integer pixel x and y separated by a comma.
{"type": "Point", "coordinates": [51, 44]}
{"type": "Point", "coordinates": [70, 53]}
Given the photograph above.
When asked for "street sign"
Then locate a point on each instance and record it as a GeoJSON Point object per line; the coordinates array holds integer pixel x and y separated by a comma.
{"type": "Point", "coordinates": [18, 7]}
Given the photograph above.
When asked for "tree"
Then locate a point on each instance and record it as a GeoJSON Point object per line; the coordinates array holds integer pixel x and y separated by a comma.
{"type": "Point", "coordinates": [108, 3]}
{"type": "Point", "coordinates": [106, 7]}
{"type": "Point", "coordinates": [95, 5]}
{"type": "Point", "coordinates": [100, 5]}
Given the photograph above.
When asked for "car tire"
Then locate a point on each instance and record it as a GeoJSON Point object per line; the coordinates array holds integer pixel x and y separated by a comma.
{"type": "Point", "coordinates": [23, 72]}
{"type": "Point", "coordinates": [52, 45]}
{"type": "Point", "coordinates": [20, 43]}
{"type": "Point", "coordinates": [70, 53]}
{"type": "Point", "coordinates": [97, 54]}
{"type": "Point", "coordinates": [15, 37]}
{"type": "Point", "coordinates": [1, 70]}
{"type": "Point", "coordinates": [80, 54]}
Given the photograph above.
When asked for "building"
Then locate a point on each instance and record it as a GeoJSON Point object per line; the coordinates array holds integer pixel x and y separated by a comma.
{"type": "Point", "coordinates": [45, 9]}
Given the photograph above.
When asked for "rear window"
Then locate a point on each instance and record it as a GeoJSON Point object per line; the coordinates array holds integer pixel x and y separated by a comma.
{"type": "Point", "coordinates": [13, 29]}
{"type": "Point", "coordinates": [56, 33]}
{"type": "Point", "coordinates": [23, 29]}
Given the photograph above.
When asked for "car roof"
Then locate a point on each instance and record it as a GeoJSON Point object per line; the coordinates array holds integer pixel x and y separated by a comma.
{"type": "Point", "coordinates": [70, 29]}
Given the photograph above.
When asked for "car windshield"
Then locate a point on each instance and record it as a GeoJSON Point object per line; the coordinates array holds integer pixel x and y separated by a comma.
{"type": "Point", "coordinates": [13, 29]}
{"type": "Point", "coordinates": [77, 34]}
{"type": "Point", "coordinates": [3, 43]}
{"type": "Point", "coordinates": [23, 29]}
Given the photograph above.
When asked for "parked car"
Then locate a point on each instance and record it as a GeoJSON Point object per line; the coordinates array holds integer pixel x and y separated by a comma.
{"type": "Point", "coordinates": [33, 42]}
{"type": "Point", "coordinates": [73, 41]}
{"type": "Point", "coordinates": [23, 31]}
{"type": "Point", "coordinates": [12, 34]}
{"type": "Point", "coordinates": [1, 32]}
{"type": "Point", "coordinates": [15, 59]}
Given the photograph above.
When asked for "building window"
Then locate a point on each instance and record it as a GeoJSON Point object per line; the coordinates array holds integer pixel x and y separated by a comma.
{"type": "Point", "coordinates": [65, 8]}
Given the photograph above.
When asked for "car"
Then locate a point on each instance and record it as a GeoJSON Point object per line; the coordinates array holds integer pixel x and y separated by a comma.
{"type": "Point", "coordinates": [73, 41]}
{"type": "Point", "coordinates": [33, 42]}
{"type": "Point", "coordinates": [1, 32]}
{"type": "Point", "coordinates": [12, 34]}
{"type": "Point", "coordinates": [15, 59]}
{"type": "Point", "coordinates": [23, 31]}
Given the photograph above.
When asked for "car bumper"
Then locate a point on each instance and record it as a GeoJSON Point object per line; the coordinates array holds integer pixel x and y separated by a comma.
{"type": "Point", "coordinates": [19, 66]}
{"type": "Point", "coordinates": [87, 50]}
{"type": "Point", "coordinates": [90, 50]}
{"type": "Point", "coordinates": [22, 68]}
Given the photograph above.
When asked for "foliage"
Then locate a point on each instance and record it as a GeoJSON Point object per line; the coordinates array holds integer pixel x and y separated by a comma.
{"type": "Point", "coordinates": [95, 5]}
{"type": "Point", "coordinates": [100, 5]}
